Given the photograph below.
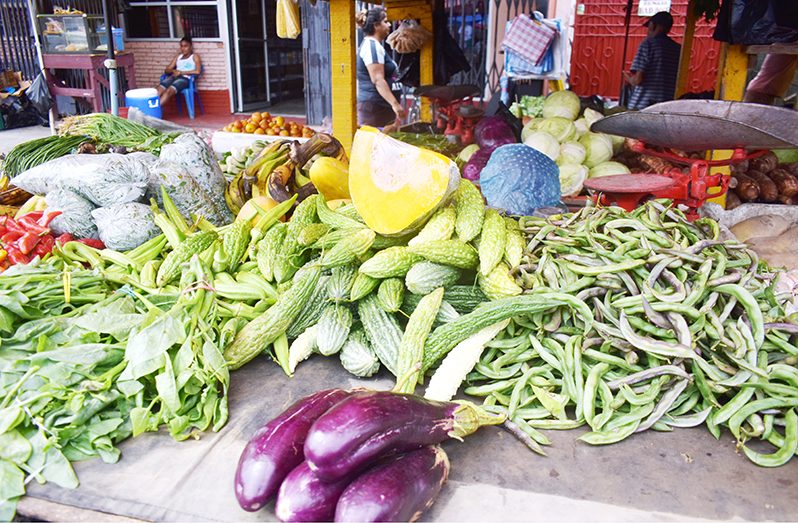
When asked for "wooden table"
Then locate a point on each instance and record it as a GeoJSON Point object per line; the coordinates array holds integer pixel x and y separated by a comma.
{"type": "Point", "coordinates": [90, 64]}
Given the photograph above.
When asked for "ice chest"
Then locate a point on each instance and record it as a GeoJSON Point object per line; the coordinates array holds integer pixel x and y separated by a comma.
{"type": "Point", "coordinates": [145, 100]}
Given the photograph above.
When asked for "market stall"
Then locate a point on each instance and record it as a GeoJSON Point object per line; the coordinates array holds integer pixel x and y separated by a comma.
{"type": "Point", "coordinates": [284, 330]}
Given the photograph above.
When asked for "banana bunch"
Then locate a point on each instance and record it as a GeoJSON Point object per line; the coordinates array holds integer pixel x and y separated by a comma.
{"type": "Point", "coordinates": [236, 161]}
{"type": "Point", "coordinates": [276, 171]}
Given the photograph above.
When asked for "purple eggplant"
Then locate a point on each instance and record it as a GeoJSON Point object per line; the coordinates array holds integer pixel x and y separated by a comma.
{"type": "Point", "coordinates": [371, 424]}
{"type": "Point", "coordinates": [399, 490]}
{"type": "Point", "coordinates": [304, 497]}
{"type": "Point", "coordinates": [276, 449]}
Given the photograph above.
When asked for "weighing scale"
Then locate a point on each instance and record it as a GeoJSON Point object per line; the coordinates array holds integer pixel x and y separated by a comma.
{"type": "Point", "coordinates": [749, 130]}
{"type": "Point", "coordinates": [456, 112]}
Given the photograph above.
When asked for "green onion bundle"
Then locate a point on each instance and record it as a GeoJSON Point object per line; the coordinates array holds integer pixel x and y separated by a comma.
{"type": "Point", "coordinates": [36, 152]}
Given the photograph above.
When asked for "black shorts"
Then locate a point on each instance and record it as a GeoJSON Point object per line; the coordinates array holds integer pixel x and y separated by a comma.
{"type": "Point", "coordinates": [178, 83]}
{"type": "Point", "coordinates": [375, 114]}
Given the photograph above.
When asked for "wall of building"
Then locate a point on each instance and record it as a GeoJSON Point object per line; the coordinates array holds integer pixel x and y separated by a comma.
{"type": "Point", "coordinates": [152, 57]}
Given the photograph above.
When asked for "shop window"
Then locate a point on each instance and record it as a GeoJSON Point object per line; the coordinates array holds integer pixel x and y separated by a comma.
{"type": "Point", "coordinates": [160, 19]}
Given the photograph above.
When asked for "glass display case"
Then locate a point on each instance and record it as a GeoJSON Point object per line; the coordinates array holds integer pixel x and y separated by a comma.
{"type": "Point", "coordinates": [71, 34]}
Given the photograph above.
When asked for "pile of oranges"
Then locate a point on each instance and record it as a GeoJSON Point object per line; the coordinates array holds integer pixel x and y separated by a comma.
{"type": "Point", "coordinates": [265, 123]}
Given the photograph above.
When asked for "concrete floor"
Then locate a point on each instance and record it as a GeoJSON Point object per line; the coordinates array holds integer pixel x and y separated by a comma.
{"type": "Point", "coordinates": [12, 137]}
{"type": "Point", "coordinates": [684, 475]}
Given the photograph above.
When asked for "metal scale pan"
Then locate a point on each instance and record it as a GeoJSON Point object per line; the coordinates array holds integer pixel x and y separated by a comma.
{"type": "Point", "coordinates": [699, 125]}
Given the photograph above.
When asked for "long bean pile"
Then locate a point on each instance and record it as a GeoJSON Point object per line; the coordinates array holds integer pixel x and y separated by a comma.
{"type": "Point", "coordinates": [36, 152]}
{"type": "Point", "coordinates": [687, 330]}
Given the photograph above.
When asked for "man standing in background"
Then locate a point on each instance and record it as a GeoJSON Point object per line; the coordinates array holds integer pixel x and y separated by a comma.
{"type": "Point", "coordinates": [656, 65]}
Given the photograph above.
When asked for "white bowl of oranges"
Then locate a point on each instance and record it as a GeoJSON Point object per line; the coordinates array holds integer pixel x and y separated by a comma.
{"type": "Point", "coordinates": [263, 123]}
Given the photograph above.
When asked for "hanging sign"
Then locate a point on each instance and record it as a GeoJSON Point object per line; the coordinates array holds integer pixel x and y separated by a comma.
{"type": "Point", "coordinates": [652, 7]}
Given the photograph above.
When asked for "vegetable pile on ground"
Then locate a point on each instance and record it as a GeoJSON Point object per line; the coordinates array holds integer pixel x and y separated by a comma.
{"type": "Point", "coordinates": [353, 456]}
{"type": "Point", "coordinates": [682, 329]}
{"type": "Point", "coordinates": [764, 180]}
{"type": "Point", "coordinates": [99, 345]}
{"type": "Point", "coordinates": [28, 236]}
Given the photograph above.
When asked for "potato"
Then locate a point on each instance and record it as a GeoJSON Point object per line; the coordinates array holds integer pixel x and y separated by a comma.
{"type": "Point", "coordinates": [739, 167]}
{"type": "Point", "coordinates": [791, 167]}
{"type": "Point", "coordinates": [759, 226]}
{"type": "Point", "coordinates": [767, 187]}
{"type": "Point", "coordinates": [765, 163]}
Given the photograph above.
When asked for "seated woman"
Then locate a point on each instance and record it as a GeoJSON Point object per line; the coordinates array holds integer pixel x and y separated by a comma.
{"type": "Point", "coordinates": [185, 64]}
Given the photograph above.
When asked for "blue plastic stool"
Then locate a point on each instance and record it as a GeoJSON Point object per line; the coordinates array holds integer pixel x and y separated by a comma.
{"type": "Point", "coordinates": [190, 94]}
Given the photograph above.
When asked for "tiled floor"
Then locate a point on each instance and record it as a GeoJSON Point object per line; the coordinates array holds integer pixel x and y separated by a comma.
{"type": "Point", "coordinates": [292, 110]}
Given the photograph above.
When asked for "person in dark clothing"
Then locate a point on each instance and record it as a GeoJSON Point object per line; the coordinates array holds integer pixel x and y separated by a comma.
{"type": "Point", "coordinates": [377, 100]}
{"type": "Point", "coordinates": [656, 65]}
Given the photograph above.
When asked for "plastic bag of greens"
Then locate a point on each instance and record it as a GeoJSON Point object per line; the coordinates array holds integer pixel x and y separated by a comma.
{"type": "Point", "coordinates": [103, 179]}
{"type": "Point", "coordinates": [190, 151]}
{"type": "Point", "coordinates": [125, 226]}
{"type": "Point", "coordinates": [75, 217]}
{"type": "Point", "coordinates": [188, 196]}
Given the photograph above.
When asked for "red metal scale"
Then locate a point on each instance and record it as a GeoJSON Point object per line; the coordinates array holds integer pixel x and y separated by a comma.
{"type": "Point", "coordinates": [691, 125]}
{"type": "Point", "coordinates": [456, 111]}
{"type": "Point", "coordinates": [688, 189]}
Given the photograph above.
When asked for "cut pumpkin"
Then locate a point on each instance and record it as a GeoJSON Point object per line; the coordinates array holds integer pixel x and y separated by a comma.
{"type": "Point", "coordinates": [396, 186]}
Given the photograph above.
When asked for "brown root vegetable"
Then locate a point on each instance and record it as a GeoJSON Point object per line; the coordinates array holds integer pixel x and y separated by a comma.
{"type": "Point", "coordinates": [791, 167]}
{"type": "Point", "coordinates": [747, 188]}
{"type": "Point", "coordinates": [786, 182]}
{"type": "Point", "coordinates": [768, 192]}
{"type": "Point", "coordinates": [788, 200]}
{"type": "Point", "coordinates": [739, 167]}
{"type": "Point", "coordinates": [732, 200]}
{"type": "Point", "coordinates": [765, 163]}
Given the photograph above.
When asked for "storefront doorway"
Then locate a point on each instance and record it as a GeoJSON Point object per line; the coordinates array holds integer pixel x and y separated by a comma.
{"type": "Point", "coordinates": [267, 70]}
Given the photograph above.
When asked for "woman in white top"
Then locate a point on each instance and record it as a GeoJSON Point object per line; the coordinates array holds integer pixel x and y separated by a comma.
{"type": "Point", "coordinates": [185, 64]}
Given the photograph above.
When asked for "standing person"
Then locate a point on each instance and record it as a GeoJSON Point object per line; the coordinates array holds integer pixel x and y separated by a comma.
{"type": "Point", "coordinates": [183, 65]}
{"type": "Point", "coordinates": [377, 103]}
{"type": "Point", "coordinates": [773, 79]}
{"type": "Point", "coordinates": [656, 65]}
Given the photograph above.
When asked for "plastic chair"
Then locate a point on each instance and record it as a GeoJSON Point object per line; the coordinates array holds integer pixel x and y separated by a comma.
{"type": "Point", "coordinates": [190, 94]}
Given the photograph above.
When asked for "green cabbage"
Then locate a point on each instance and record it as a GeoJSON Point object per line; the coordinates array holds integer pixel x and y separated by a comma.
{"type": "Point", "coordinates": [530, 127]}
{"type": "Point", "coordinates": [571, 153]}
{"type": "Point", "coordinates": [598, 147]}
{"type": "Point", "coordinates": [608, 169]}
{"type": "Point", "coordinates": [582, 127]}
{"type": "Point", "coordinates": [572, 178]}
{"type": "Point", "coordinates": [560, 128]}
{"type": "Point", "coordinates": [562, 103]}
{"type": "Point", "coordinates": [545, 143]}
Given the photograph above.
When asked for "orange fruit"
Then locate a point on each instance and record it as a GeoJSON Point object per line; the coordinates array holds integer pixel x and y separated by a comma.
{"type": "Point", "coordinates": [266, 115]}
{"type": "Point", "coordinates": [256, 117]}
{"type": "Point", "coordinates": [264, 124]}
{"type": "Point", "coordinates": [280, 121]}
{"type": "Point", "coordinates": [237, 125]}
{"type": "Point", "coordinates": [270, 132]}
{"type": "Point", "coordinates": [259, 131]}
{"type": "Point", "coordinates": [250, 128]}
{"type": "Point", "coordinates": [284, 133]}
